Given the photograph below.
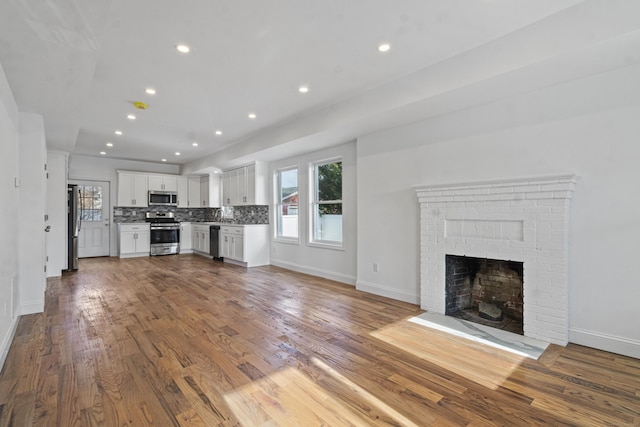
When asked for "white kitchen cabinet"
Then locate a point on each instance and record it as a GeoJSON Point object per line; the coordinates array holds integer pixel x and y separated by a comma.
{"type": "Point", "coordinates": [246, 185]}
{"type": "Point", "coordinates": [163, 183]}
{"type": "Point", "coordinates": [226, 188]}
{"type": "Point", "coordinates": [200, 239]}
{"type": "Point", "coordinates": [133, 240]}
{"type": "Point", "coordinates": [186, 244]}
{"type": "Point", "coordinates": [132, 189]}
{"type": "Point", "coordinates": [246, 245]}
{"type": "Point", "coordinates": [189, 192]}
{"type": "Point", "coordinates": [204, 191]}
{"type": "Point", "coordinates": [194, 191]}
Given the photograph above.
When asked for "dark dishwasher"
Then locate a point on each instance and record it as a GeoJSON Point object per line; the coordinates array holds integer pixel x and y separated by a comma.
{"type": "Point", "coordinates": [214, 242]}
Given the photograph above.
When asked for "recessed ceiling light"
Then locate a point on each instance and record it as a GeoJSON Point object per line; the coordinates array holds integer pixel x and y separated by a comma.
{"type": "Point", "coordinates": [177, 153]}
{"type": "Point", "coordinates": [252, 116]}
{"type": "Point", "coordinates": [195, 144]}
{"type": "Point", "coordinates": [103, 153]}
{"type": "Point", "coordinates": [164, 160]}
{"type": "Point", "coordinates": [118, 132]}
{"type": "Point", "coordinates": [150, 91]}
{"type": "Point", "coordinates": [109, 144]}
{"type": "Point", "coordinates": [218, 132]}
{"type": "Point", "coordinates": [131, 117]}
{"type": "Point", "coordinates": [183, 48]}
{"type": "Point", "coordinates": [384, 47]}
{"type": "Point", "coordinates": [303, 89]}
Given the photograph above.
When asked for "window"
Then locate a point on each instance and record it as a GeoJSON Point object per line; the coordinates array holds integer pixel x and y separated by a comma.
{"type": "Point", "coordinates": [287, 203]}
{"type": "Point", "coordinates": [90, 203]}
{"type": "Point", "coordinates": [326, 221]}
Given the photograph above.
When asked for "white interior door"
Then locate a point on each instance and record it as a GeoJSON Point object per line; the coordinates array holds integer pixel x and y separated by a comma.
{"type": "Point", "coordinates": [94, 206]}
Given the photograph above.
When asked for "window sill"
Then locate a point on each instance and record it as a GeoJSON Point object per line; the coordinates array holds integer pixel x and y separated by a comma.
{"type": "Point", "coordinates": [287, 240]}
{"type": "Point", "coordinates": [337, 246]}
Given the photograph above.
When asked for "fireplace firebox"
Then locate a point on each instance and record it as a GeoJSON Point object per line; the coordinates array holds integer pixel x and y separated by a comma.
{"type": "Point", "coordinates": [485, 291]}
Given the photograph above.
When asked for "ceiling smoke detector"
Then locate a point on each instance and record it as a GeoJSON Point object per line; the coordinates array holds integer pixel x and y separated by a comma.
{"type": "Point", "coordinates": [140, 105]}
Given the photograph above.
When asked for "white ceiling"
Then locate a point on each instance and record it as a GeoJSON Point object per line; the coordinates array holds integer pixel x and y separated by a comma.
{"type": "Point", "coordinates": [82, 64]}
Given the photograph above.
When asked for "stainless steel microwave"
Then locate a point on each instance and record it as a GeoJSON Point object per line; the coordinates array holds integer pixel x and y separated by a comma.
{"type": "Point", "coordinates": [163, 198]}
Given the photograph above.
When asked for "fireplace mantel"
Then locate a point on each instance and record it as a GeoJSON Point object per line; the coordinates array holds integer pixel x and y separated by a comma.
{"type": "Point", "coordinates": [523, 219]}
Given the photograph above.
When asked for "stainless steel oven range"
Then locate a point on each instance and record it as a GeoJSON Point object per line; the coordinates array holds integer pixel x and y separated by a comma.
{"type": "Point", "coordinates": [165, 233]}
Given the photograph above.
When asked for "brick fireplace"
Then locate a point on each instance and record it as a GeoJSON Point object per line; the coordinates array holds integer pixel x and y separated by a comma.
{"type": "Point", "coordinates": [523, 220]}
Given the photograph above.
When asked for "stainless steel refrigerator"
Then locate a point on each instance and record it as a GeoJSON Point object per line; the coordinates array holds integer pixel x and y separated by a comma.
{"type": "Point", "coordinates": [74, 222]}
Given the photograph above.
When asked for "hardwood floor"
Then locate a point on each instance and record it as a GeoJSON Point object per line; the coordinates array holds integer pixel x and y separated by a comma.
{"type": "Point", "coordinates": [182, 340]}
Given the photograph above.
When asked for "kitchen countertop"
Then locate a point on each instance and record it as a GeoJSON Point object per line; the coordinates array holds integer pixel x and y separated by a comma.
{"type": "Point", "coordinates": [231, 224]}
{"type": "Point", "coordinates": [195, 223]}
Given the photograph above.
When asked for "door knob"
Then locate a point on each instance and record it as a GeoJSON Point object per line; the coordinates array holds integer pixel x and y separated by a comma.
{"type": "Point", "coordinates": [47, 228]}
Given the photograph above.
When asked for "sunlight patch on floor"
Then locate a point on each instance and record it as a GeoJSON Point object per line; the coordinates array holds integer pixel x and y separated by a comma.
{"type": "Point", "coordinates": [289, 398]}
{"type": "Point", "coordinates": [484, 365]}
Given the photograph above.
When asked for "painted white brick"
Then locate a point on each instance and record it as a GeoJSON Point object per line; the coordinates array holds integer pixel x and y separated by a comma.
{"type": "Point", "coordinates": [552, 203]}
{"type": "Point", "coordinates": [562, 194]}
{"type": "Point", "coordinates": [539, 195]}
{"type": "Point", "coordinates": [485, 211]}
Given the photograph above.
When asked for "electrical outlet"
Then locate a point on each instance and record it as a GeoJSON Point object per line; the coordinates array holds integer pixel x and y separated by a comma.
{"type": "Point", "coordinates": [375, 267]}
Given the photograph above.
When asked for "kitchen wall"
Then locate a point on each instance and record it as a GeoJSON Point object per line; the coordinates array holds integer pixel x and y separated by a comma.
{"type": "Point", "coordinates": [585, 124]}
{"type": "Point", "coordinates": [335, 264]}
{"type": "Point", "coordinates": [104, 169]}
{"type": "Point", "coordinates": [9, 215]}
{"type": "Point", "coordinates": [125, 214]}
{"type": "Point", "coordinates": [242, 214]}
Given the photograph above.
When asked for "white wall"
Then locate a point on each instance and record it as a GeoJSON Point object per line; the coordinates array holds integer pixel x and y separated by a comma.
{"type": "Point", "coordinates": [57, 165]}
{"type": "Point", "coordinates": [9, 266]}
{"type": "Point", "coordinates": [104, 169]}
{"type": "Point", "coordinates": [333, 264]}
{"type": "Point", "coordinates": [33, 156]}
{"type": "Point", "coordinates": [588, 126]}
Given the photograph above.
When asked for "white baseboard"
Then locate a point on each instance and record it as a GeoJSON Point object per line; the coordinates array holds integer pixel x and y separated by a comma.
{"type": "Point", "coordinates": [331, 275]}
{"type": "Point", "coordinates": [32, 307]}
{"type": "Point", "coordinates": [611, 343]}
{"type": "Point", "coordinates": [374, 288]}
{"type": "Point", "coordinates": [7, 340]}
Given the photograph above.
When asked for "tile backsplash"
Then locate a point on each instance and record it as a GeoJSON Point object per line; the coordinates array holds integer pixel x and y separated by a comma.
{"type": "Point", "coordinates": [258, 214]}
{"type": "Point", "coordinates": [242, 214]}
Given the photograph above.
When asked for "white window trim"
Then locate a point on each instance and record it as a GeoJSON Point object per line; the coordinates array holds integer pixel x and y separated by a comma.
{"type": "Point", "coordinates": [276, 194]}
{"type": "Point", "coordinates": [312, 242]}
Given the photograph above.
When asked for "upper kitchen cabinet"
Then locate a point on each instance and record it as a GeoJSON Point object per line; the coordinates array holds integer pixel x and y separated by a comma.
{"type": "Point", "coordinates": [163, 183]}
{"type": "Point", "coordinates": [245, 186]}
{"type": "Point", "coordinates": [133, 189]}
{"type": "Point", "coordinates": [189, 192]}
{"type": "Point", "coordinates": [210, 191]}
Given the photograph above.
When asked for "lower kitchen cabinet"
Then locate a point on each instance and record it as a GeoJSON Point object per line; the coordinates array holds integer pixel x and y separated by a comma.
{"type": "Point", "coordinates": [246, 245]}
{"type": "Point", "coordinates": [133, 240]}
{"type": "Point", "coordinates": [200, 239]}
{"type": "Point", "coordinates": [186, 245]}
